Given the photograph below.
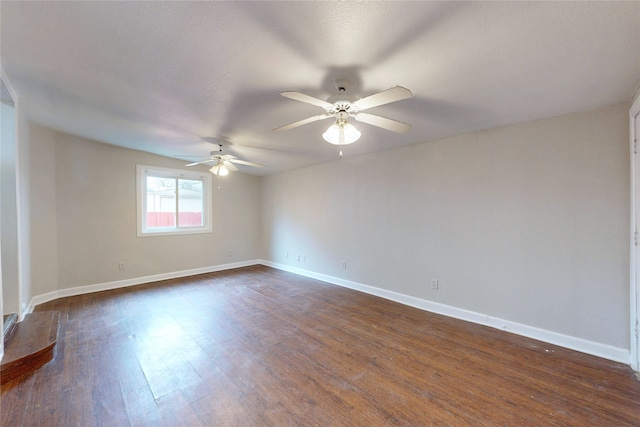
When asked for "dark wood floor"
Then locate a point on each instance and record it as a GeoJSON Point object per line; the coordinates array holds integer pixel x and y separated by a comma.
{"type": "Point", "coordinates": [260, 347]}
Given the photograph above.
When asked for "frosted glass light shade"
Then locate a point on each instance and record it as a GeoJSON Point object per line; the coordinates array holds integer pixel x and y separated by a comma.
{"type": "Point", "coordinates": [341, 134]}
{"type": "Point", "coordinates": [219, 169]}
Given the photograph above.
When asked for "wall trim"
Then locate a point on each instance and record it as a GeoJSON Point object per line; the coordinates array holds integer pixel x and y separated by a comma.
{"type": "Point", "coordinates": [574, 343]}
{"type": "Point", "coordinates": [87, 289]}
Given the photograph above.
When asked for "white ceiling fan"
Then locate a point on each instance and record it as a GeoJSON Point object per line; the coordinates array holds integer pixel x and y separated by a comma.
{"type": "Point", "coordinates": [224, 163]}
{"type": "Point", "coordinates": [341, 108]}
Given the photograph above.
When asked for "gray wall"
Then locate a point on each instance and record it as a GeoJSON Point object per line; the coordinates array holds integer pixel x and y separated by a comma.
{"type": "Point", "coordinates": [43, 215]}
{"type": "Point", "coordinates": [527, 223]}
{"type": "Point", "coordinates": [9, 210]}
{"type": "Point", "coordinates": [83, 222]}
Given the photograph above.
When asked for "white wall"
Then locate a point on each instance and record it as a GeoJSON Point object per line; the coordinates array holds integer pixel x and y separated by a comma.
{"type": "Point", "coordinates": [9, 210]}
{"type": "Point", "coordinates": [24, 208]}
{"type": "Point", "coordinates": [84, 217]}
{"type": "Point", "coordinates": [527, 223]}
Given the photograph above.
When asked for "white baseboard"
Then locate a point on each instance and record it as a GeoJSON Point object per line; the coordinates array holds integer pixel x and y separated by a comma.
{"type": "Point", "coordinates": [79, 290]}
{"type": "Point", "coordinates": [605, 351]}
{"type": "Point", "coordinates": [574, 343]}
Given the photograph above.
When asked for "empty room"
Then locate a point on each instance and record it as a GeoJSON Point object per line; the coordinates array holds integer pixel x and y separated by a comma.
{"type": "Point", "coordinates": [319, 213]}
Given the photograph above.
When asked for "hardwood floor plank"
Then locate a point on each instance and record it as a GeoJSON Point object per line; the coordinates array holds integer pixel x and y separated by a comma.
{"type": "Point", "coordinates": [175, 411]}
{"type": "Point", "coordinates": [225, 404]}
{"type": "Point", "coordinates": [77, 404]}
{"type": "Point", "coordinates": [108, 404]}
{"type": "Point", "coordinates": [140, 406]}
{"type": "Point", "coordinates": [13, 400]}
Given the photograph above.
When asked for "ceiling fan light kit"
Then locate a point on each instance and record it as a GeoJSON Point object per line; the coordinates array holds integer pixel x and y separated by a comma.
{"type": "Point", "coordinates": [219, 170]}
{"type": "Point", "coordinates": [341, 133]}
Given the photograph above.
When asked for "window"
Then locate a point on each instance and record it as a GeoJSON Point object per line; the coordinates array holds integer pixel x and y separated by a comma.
{"type": "Point", "coordinates": [172, 201]}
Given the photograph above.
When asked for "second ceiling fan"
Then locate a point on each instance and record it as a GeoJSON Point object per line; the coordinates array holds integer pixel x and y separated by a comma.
{"type": "Point", "coordinates": [224, 163]}
{"type": "Point", "coordinates": [341, 108]}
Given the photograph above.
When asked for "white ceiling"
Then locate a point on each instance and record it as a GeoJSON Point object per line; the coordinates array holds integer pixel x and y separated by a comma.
{"type": "Point", "coordinates": [166, 77]}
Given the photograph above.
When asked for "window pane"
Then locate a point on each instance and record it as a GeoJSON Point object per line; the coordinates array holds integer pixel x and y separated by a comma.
{"type": "Point", "coordinates": [161, 202]}
{"type": "Point", "coordinates": [172, 201]}
{"type": "Point", "coordinates": [190, 203]}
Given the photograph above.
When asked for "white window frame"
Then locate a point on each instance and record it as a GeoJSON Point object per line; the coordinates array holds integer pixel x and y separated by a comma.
{"type": "Point", "coordinates": [142, 171]}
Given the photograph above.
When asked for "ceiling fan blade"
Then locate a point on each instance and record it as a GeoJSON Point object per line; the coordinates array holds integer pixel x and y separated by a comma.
{"type": "Point", "coordinates": [383, 122]}
{"type": "Point", "coordinates": [227, 157]}
{"type": "Point", "coordinates": [394, 94]}
{"type": "Point", "coordinates": [298, 96]}
{"type": "Point", "coordinates": [302, 122]}
{"type": "Point", "coordinates": [199, 163]}
{"type": "Point", "coordinates": [244, 162]}
{"type": "Point", "coordinates": [227, 164]}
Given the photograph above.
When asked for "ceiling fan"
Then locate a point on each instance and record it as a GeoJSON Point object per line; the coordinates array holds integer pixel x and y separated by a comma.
{"type": "Point", "coordinates": [224, 163]}
{"type": "Point", "coordinates": [341, 108]}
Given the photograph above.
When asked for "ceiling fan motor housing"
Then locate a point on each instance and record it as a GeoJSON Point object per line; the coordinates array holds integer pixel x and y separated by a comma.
{"type": "Point", "coordinates": [342, 109]}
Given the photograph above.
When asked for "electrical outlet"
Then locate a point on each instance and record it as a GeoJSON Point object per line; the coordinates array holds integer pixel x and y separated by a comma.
{"type": "Point", "coordinates": [344, 265]}
{"type": "Point", "coordinates": [298, 257]}
{"type": "Point", "coordinates": [229, 254]}
{"type": "Point", "coordinates": [122, 265]}
{"type": "Point", "coordinates": [435, 284]}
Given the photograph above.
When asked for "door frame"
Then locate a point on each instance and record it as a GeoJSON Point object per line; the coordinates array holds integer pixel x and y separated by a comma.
{"type": "Point", "coordinates": [634, 273]}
